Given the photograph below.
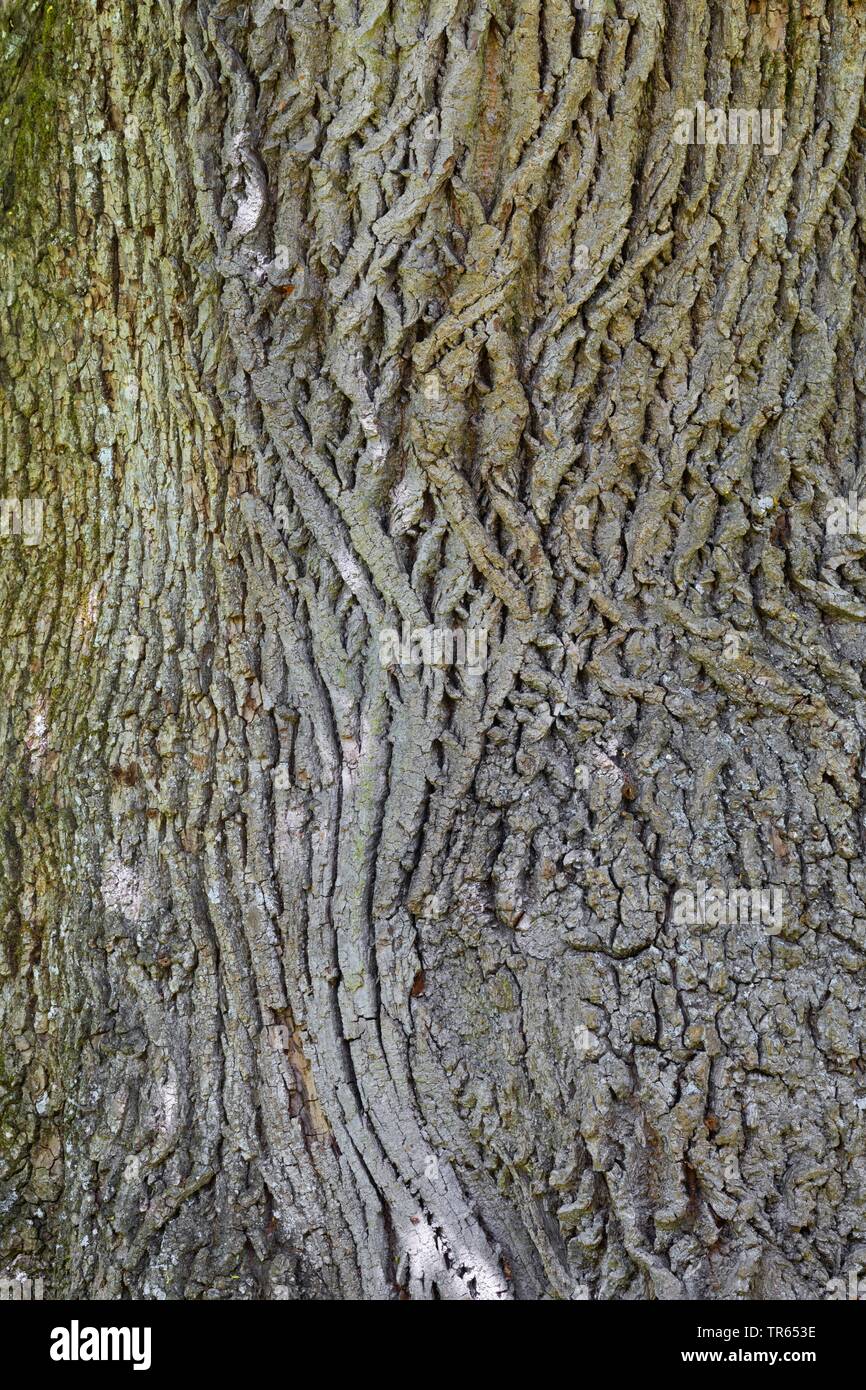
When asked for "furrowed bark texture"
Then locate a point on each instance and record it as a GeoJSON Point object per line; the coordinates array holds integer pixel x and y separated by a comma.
{"type": "Point", "coordinates": [321, 319]}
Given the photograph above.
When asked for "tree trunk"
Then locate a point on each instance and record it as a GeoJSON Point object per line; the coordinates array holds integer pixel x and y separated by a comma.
{"type": "Point", "coordinates": [333, 965]}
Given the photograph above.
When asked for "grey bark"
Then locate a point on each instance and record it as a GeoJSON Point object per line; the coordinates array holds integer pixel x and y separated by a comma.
{"type": "Point", "coordinates": [328, 978]}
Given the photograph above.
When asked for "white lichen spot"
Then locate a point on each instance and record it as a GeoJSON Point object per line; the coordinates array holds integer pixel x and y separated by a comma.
{"type": "Point", "coordinates": [121, 886]}
{"type": "Point", "coordinates": [36, 736]}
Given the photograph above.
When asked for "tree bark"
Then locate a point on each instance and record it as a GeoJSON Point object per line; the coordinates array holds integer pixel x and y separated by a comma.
{"type": "Point", "coordinates": [326, 974]}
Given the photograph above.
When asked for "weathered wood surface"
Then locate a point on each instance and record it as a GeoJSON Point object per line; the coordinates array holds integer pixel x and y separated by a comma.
{"type": "Point", "coordinates": [323, 978]}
